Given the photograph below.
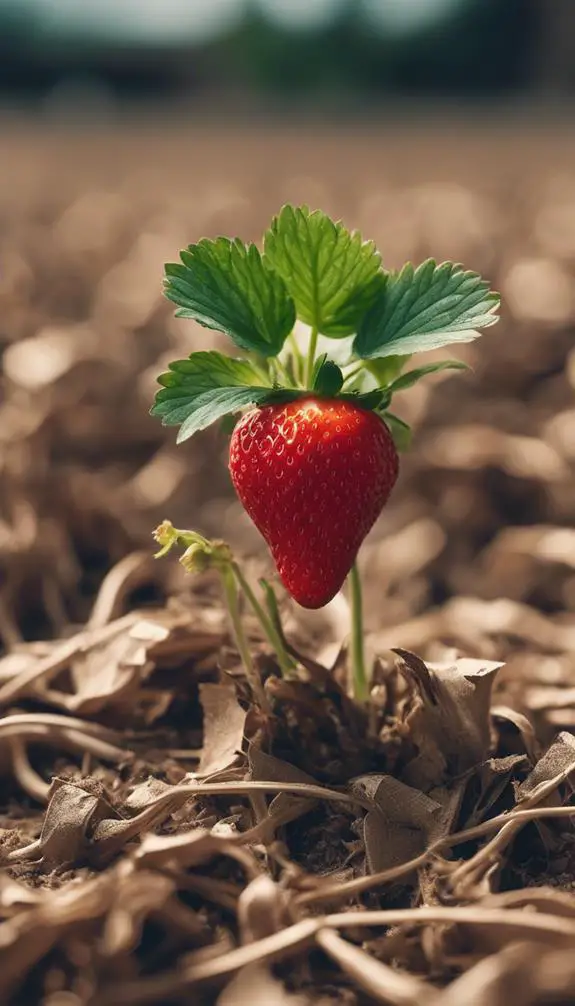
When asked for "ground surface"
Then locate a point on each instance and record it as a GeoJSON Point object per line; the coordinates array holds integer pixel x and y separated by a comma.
{"type": "Point", "coordinates": [120, 689]}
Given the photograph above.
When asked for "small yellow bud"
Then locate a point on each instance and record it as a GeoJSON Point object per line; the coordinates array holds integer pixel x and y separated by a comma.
{"type": "Point", "coordinates": [196, 558]}
{"type": "Point", "coordinates": [166, 536]}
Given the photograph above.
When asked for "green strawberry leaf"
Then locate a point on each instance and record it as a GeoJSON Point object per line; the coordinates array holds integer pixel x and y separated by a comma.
{"type": "Point", "coordinates": [411, 377]}
{"type": "Point", "coordinates": [327, 377]}
{"type": "Point", "coordinates": [376, 399]}
{"type": "Point", "coordinates": [212, 405]}
{"type": "Point", "coordinates": [426, 308]}
{"type": "Point", "coordinates": [202, 372]}
{"type": "Point", "coordinates": [209, 369]}
{"type": "Point", "coordinates": [386, 369]}
{"type": "Point", "coordinates": [400, 431]}
{"type": "Point", "coordinates": [206, 387]}
{"type": "Point", "coordinates": [226, 285]}
{"type": "Point", "coordinates": [320, 361]}
{"type": "Point", "coordinates": [331, 273]}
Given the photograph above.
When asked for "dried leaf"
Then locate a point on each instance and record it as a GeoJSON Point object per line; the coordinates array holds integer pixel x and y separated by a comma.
{"type": "Point", "coordinates": [266, 766]}
{"type": "Point", "coordinates": [146, 793]}
{"type": "Point", "coordinates": [41, 669]}
{"type": "Point", "coordinates": [284, 807]}
{"type": "Point", "coordinates": [108, 664]}
{"type": "Point", "coordinates": [104, 675]}
{"type": "Point", "coordinates": [401, 825]}
{"type": "Point", "coordinates": [509, 723]}
{"type": "Point", "coordinates": [224, 722]}
{"type": "Point", "coordinates": [556, 766]}
{"type": "Point", "coordinates": [450, 727]}
{"type": "Point", "coordinates": [489, 785]}
{"type": "Point", "coordinates": [71, 816]}
{"type": "Point", "coordinates": [188, 849]}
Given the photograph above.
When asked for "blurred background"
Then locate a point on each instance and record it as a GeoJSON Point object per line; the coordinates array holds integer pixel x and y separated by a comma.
{"type": "Point", "coordinates": [262, 52]}
{"type": "Point", "coordinates": [131, 128]}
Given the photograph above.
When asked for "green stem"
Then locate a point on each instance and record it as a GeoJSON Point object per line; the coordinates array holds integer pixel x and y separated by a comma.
{"type": "Point", "coordinates": [276, 642]}
{"type": "Point", "coordinates": [232, 602]}
{"type": "Point", "coordinates": [297, 357]}
{"type": "Point", "coordinates": [360, 685]}
{"type": "Point", "coordinates": [262, 367]}
{"type": "Point", "coordinates": [353, 373]}
{"type": "Point", "coordinates": [232, 578]}
{"type": "Point", "coordinates": [283, 372]}
{"type": "Point", "coordinates": [273, 614]}
{"type": "Point", "coordinates": [311, 356]}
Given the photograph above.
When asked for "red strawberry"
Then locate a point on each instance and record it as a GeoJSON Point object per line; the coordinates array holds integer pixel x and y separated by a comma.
{"type": "Point", "coordinates": [313, 475]}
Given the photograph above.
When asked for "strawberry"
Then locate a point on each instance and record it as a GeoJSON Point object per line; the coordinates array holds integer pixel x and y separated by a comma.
{"type": "Point", "coordinates": [313, 476]}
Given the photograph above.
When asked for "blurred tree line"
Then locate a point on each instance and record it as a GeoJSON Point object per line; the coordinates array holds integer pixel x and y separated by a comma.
{"type": "Point", "coordinates": [485, 48]}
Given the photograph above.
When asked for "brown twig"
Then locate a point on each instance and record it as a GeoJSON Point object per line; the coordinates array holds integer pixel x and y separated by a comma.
{"type": "Point", "coordinates": [29, 780]}
{"type": "Point", "coordinates": [130, 572]}
{"type": "Point", "coordinates": [385, 984]}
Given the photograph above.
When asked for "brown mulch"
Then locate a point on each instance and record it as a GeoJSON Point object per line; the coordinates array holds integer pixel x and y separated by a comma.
{"type": "Point", "coordinates": [163, 841]}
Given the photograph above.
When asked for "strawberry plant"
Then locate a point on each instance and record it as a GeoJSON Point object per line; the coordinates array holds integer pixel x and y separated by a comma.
{"type": "Point", "coordinates": [315, 456]}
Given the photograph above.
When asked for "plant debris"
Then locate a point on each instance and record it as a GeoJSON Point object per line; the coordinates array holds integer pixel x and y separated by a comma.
{"type": "Point", "coordinates": [161, 838]}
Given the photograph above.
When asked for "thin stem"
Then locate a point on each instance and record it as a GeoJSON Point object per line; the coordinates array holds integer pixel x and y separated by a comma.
{"type": "Point", "coordinates": [283, 372]}
{"type": "Point", "coordinates": [273, 614]}
{"type": "Point", "coordinates": [297, 357]}
{"type": "Point", "coordinates": [261, 365]}
{"type": "Point", "coordinates": [360, 685]}
{"type": "Point", "coordinates": [284, 660]}
{"type": "Point", "coordinates": [232, 602]}
{"type": "Point", "coordinates": [311, 356]}
{"type": "Point", "coordinates": [353, 373]}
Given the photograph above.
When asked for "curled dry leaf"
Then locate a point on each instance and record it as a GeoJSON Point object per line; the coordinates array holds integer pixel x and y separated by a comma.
{"type": "Point", "coordinates": [403, 822]}
{"type": "Point", "coordinates": [551, 772]}
{"type": "Point", "coordinates": [107, 666]}
{"type": "Point", "coordinates": [71, 817]}
{"type": "Point", "coordinates": [557, 766]}
{"type": "Point", "coordinates": [449, 727]}
{"type": "Point", "coordinates": [284, 807]}
{"type": "Point", "coordinates": [189, 849]}
{"type": "Point", "coordinates": [515, 734]}
{"type": "Point", "coordinates": [224, 722]}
